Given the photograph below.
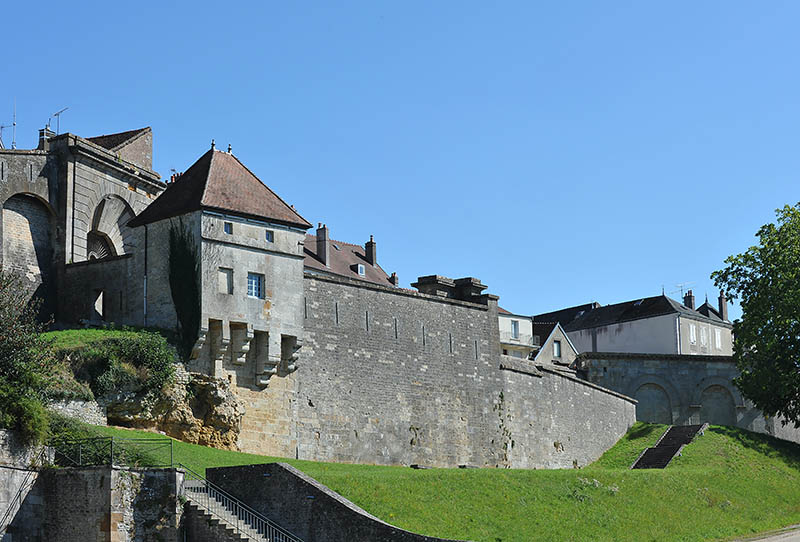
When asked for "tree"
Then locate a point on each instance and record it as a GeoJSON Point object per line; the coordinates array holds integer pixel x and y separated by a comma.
{"type": "Point", "coordinates": [25, 359]}
{"type": "Point", "coordinates": [766, 281]}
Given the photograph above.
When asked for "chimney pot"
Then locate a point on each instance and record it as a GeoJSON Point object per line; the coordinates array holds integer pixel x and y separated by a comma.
{"type": "Point", "coordinates": [723, 306]}
{"type": "Point", "coordinates": [322, 245]}
{"type": "Point", "coordinates": [370, 251]}
{"type": "Point", "coordinates": [688, 299]}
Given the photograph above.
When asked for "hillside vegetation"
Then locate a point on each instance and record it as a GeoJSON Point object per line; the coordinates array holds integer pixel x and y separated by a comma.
{"type": "Point", "coordinates": [728, 483]}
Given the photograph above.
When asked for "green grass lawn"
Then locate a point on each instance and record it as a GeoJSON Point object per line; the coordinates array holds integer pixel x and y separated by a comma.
{"type": "Point", "coordinates": [728, 483]}
{"type": "Point", "coordinates": [76, 338]}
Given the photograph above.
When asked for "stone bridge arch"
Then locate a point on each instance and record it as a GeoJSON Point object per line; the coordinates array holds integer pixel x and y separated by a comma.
{"type": "Point", "coordinates": [659, 400]}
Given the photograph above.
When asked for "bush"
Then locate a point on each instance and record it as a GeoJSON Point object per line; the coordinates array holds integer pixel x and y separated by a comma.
{"type": "Point", "coordinates": [140, 362]}
{"type": "Point", "coordinates": [25, 360]}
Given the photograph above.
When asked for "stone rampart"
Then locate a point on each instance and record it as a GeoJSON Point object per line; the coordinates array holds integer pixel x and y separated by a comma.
{"type": "Point", "coordinates": [681, 389]}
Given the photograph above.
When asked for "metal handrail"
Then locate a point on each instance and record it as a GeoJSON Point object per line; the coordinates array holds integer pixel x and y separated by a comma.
{"type": "Point", "coordinates": [16, 502]}
{"type": "Point", "coordinates": [234, 512]}
{"type": "Point", "coordinates": [110, 451]}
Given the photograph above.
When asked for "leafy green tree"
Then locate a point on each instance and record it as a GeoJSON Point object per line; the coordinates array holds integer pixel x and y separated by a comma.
{"type": "Point", "coordinates": [766, 281]}
{"type": "Point", "coordinates": [25, 358]}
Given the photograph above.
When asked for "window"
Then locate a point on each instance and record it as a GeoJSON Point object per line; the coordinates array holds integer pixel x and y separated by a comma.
{"type": "Point", "coordinates": [270, 236]}
{"type": "Point", "coordinates": [703, 336]}
{"type": "Point", "coordinates": [718, 338]}
{"type": "Point", "coordinates": [692, 334]}
{"type": "Point", "coordinates": [515, 329]}
{"type": "Point", "coordinates": [225, 280]}
{"type": "Point", "coordinates": [227, 227]}
{"type": "Point", "coordinates": [255, 285]}
{"type": "Point", "coordinates": [557, 349]}
{"type": "Point", "coordinates": [361, 270]}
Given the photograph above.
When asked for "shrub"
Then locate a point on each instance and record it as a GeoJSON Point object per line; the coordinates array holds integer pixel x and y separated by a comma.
{"type": "Point", "coordinates": [140, 362]}
{"type": "Point", "coordinates": [25, 359]}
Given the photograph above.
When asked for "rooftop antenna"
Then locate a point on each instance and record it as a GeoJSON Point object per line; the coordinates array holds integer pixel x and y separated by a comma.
{"type": "Point", "coordinates": [14, 125]}
{"type": "Point", "coordinates": [58, 120]}
{"type": "Point", "coordinates": [682, 287]}
{"type": "Point", "coordinates": [2, 145]}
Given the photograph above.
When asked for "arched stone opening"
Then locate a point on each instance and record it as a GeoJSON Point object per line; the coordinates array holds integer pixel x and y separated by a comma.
{"type": "Point", "coordinates": [28, 241]}
{"type": "Point", "coordinates": [654, 405]}
{"type": "Point", "coordinates": [110, 234]}
{"type": "Point", "coordinates": [717, 406]}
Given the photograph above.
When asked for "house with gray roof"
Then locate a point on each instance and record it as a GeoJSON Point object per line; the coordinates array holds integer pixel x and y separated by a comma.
{"type": "Point", "coordinates": [651, 325]}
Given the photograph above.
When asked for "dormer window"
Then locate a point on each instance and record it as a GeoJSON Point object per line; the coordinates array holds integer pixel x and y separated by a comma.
{"type": "Point", "coordinates": [270, 236]}
{"type": "Point", "coordinates": [361, 270]}
{"type": "Point", "coordinates": [227, 227]}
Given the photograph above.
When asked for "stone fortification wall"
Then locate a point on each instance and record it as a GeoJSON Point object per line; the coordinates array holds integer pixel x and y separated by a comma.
{"type": "Point", "coordinates": [395, 377]}
{"type": "Point", "coordinates": [391, 376]}
{"type": "Point", "coordinates": [26, 514]}
{"type": "Point", "coordinates": [304, 507]}
{"type": "Point", "coordinates": [552, 419]}
{"type": "Point", "coordinates": [681, 390]}
{"type": "Point", "coordinates": [98, 503]}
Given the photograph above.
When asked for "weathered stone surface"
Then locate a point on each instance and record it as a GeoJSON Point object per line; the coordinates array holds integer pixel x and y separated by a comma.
{"type": "Point", "coordinates": [85, 411]}
{"type": "Point", "coordinates": [198, 408]}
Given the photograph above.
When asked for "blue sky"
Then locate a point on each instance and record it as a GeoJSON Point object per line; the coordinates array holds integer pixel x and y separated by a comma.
{"type": "Point", "coordinates": [560, 152]}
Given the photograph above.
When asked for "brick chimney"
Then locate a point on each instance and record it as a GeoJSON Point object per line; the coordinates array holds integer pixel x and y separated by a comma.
{"type": "Point", "coordinates": [394, 280]}
{"type": "Point", "coordinates": [370, 251]}
{"type": "Point", "coordinates": [322, 244]}
{"type": "Point", "coordinates": [688, 300]}
{"type": "Point", "coordinates": [723, 306]}
{"type": "Point", "coordinates": [45, 134]}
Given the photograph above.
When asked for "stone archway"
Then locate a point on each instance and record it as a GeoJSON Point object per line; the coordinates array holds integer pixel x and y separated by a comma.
{"type": "Point", "coordinates": [110, 234]}
{"type": "Point", "coordinates": [28, 244]}
{"type": "Point", "coordinates": [717, 406]}
{"type": "Point", "coordinates": [654, 404]}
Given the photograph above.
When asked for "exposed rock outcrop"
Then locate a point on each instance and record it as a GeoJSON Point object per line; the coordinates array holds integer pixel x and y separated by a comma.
{"type": "Point", "coordinates": [197, 408]}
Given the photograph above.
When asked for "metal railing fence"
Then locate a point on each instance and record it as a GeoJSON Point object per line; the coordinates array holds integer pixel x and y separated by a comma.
{"type": "Point", "coordinates": [231, 510]}
{"type": "Point", "coordinates": [115, 451]}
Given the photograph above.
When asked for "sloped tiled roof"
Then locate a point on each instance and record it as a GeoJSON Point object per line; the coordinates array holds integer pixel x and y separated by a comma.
{"type": "Point", "coordinates": [647, 307]}
{"type": "Point", "coordinates": [114, 141]}
{"type": "Point", "coordinates": [709, 311]}
{"type": "Point", "coordinates": [567, 315]}
{"type": "Point", "coordinates": [342, 261]}
{"type": "Point", "coordinates": [501, 310]}
{"type": "Point", "coordinates": [218, 181]}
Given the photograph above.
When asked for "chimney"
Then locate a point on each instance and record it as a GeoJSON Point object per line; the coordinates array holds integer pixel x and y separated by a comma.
{"type": "Point", "coordinates": [371, 252]}
{"type": "Point", "coordinates": [394, 280]}
{"type": "Point", "coordinates": [688, 300]}
{"type": "Point", "coordinates": [322, 244]}
{"type": "Point", "coordinates": [723, 306]}
{"type": "Point", "coordinates": [44, 134]}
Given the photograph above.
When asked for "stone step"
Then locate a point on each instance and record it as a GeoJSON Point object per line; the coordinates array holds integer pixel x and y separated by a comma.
{"type": "Point", "coordinates": [198, 498]}
{"type": "Point", "coordinates": [212, 520]}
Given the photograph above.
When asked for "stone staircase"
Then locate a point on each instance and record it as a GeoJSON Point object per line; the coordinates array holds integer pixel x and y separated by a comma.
{"type": "Point", "coordinates": [668, 446]}
{"type": "Point", "coordinates": [231, 519]}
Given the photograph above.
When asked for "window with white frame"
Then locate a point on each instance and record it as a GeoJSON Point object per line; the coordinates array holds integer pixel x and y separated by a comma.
{"type": "Point", "coordinates": [227, 227]}
{"type": "Point", "coordinates": [515, 329]}
{"type": "Point", "coordinates": [225, 280]}
{"type": "Point", "coordinates": [692, 334]}
{"type": "Point", "coordinates": [255, 285]}
{"type": "Point", "coordinates": [557, 349]}
{"type": "Point", "coordinates": [704, 336]}
{"type": "Point", "coordinates": [270, 236]}
{"type": "Point", "coordinates": [718, 338]}
{"type": "Point", "coordinates": [361, 269]}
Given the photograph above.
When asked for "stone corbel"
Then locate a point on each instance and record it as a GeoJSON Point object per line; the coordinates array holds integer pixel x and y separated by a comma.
{"type": "Point", "coordinates": [241, 346]}
{"type": "Point", "coordinates": [198, 344]}
{"type": "Point", "coordinates": [291, 361]}
{"type": "Point", "coordinates": [221, 349]}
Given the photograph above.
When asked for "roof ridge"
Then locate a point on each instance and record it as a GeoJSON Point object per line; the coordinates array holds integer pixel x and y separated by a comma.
{"type": "Point", "coordinates": [267, 187]}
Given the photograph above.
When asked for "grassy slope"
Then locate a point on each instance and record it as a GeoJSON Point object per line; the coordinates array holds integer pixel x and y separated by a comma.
{"type": "Point", "coordinates": [728, 483]}
{"type": "Point", "coordinates": [75, 338]}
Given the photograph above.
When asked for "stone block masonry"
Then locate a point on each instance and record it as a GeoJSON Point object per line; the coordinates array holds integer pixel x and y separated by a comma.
{"type": "Point", "coordinates": [395, 377]}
